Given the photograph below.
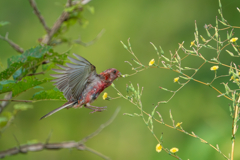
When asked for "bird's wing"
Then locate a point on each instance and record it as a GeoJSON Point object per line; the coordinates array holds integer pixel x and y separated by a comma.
{"type": "Point", "coordinates": [73, 77]}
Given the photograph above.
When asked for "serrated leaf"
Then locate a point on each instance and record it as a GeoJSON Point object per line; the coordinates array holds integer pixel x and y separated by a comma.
{"type": "Point", "coordinates": [22, 106]}
{"type": "Point", "coordinates": [46, 67]}
{"type": "Point", "coordinates": [53, 94]}
{"type": "Point", "coordinates": [6, 86]}
{"type": "Point", "coordinates": [27, 62]}
{"type": "Point", "coordinates": [30, 60]}
{"type": "Point", "coordinates": [27, 83]}
{"type": "Point", "coordinates": [20, 86]}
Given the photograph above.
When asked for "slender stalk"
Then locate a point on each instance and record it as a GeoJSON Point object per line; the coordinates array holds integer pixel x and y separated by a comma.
{"type": "Point", "coordinates": [234, 127]}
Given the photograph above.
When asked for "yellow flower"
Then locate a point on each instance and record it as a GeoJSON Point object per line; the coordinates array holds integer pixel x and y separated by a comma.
{"type": "Point", "coordinates": [176, 79]}
{"type": "Point", "coordinates": [105, 95]}
{"type": "Point", "coordinates": [178, 124]}
{"type": "Point", "coordinates": [237, 79]}
{"type": "Point", "coordinates": [174, 150]}
{"type": "Point", "coordinates": [234, 39]}
{"type": "Point", "coordinates": [192, 43]}
{"type": "Point", "coordinates": [151, 62]}
{"type": "Point", "coordinates": [159, 148]}
{"type": "Point", "coordinates": [214, 68]}
{"type": "Point", "coordinates": [232, 78]}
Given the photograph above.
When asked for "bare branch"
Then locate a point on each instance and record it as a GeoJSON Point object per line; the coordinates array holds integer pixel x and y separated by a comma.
{"type": "Point", "coordinates": [69, 3]}
{"type": "Point", "coordinates": [13, 100]}
{"type": "Point", "coordinates": [33, 74]}
{"type": "Point", "coordinates": [55, 146]}
{"type": "Point", "coordinates": [38, 14]}
{"type": "Point", "coordinates": [101, 127]}
{"type": "Point", "coordinates": [55, 27]}
{"type": "Point", "coordinates": [97, 153]}
{"type": "Point", "coordinates": [78, 41]}
{"type": "Point", "coordinates": [14, 45]}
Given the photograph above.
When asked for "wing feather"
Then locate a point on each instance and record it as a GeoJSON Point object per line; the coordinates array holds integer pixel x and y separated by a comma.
{"type": "Point", "coordinates": [73, 77]}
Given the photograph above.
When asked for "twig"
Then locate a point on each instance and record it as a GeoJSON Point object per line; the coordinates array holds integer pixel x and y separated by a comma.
{"type": "Point", "coordinates": [234, 127]}
{"type": "Point", "coordinates": [11, 43]}
{"type": "Point", "coordinates": [101, 127]}
{"type": "Point", "coordinates": [97, 153]}
{"type": "Point", "coordinates": [78, 41]}
{"type": "Point", "coordinates": [69, 3]}
{"type": "Point", "coordinates": [33, 74]}
{"type": "Point", "coordinates": [55, 146]}
{"type": "Point", "coordinates": [13, 100]}
{"type": "Point", "coordinates": [38, 14]}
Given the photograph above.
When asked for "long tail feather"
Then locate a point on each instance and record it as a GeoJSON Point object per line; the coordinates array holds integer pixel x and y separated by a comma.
{"type": "Point", "coordinates": [57, 109]}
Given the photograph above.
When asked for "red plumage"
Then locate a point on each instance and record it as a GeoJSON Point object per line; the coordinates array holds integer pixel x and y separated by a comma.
{"type": "Point", "coordinates": [80, 83]}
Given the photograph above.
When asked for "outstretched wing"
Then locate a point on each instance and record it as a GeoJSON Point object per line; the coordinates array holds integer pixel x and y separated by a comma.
{"type": "Point", "coordinates": [73, 77]}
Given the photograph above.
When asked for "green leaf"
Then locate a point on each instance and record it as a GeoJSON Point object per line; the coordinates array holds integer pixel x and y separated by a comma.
{"type": "Point", "coordinates": [6, 86]}
{"type": "Point", "coordinates": [38, 87]}
{"type": "Point", "coordinates": [22, 106]}
{"type": "Point", "coordinates": [26, 62]}
{"type": "Point", "coordinates": [53, 94]}
{"type": "Point", "coordinates": [30, 60]}
{"type": "Point", "coordinates": [3, 23]}
{"type": "Point", "coordinates": [20, 86]}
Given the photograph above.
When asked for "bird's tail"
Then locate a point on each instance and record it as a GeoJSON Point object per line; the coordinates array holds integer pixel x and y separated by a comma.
{"type": "Point", "coordinates": [58, 109]}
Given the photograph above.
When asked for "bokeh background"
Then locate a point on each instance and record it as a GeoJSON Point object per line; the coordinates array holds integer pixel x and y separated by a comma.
{"type": "Point", "coordinates": [162, 22]}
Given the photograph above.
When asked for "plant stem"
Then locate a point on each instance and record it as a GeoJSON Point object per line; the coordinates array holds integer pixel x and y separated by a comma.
{"type": "Point", "coordinates": [234, 127]}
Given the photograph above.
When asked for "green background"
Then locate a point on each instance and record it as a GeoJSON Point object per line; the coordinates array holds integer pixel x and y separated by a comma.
{"type": "Point", "coordinates": [162, 22]}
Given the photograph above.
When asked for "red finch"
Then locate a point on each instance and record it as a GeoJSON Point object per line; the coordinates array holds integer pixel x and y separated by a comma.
{"type": "Point", "coordinates": [80, 83]}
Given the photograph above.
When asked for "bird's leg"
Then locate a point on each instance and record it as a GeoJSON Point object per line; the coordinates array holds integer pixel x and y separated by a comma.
{"type": "Point", "coordinates": [95, 108]}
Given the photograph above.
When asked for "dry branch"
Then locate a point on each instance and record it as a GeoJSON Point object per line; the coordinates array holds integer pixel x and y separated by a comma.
{"type": "Point", "coordinates": [38, 14]}
{"type": "Point", "coordinates": [11, 43]}
{"type": "Point", "coordinates": [61, 145]}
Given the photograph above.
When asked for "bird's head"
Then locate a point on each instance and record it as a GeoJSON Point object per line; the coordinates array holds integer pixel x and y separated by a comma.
{"type": "Point", "coordinates": [111, 74]}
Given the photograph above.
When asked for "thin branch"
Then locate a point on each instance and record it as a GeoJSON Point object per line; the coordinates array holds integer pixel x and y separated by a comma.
{"type": "Point", "coordinates": [33, 74]}
{"type": "Point", "coordinates": [11, 43]}
{"type": "Point", "coordinates": [41, 146]}
{"type": "Point", "coordinates": [38, 14]}
{"type": "Point", "coordinates": [97, 153]}
{"type": "Point", "coordinates": [69, 3]}
{"type": "Point", "coordinates": [234, 127]}
{"type": "Point", "coordinates": [78, 41]}
{"type": "Point", "coordinates": [101, 127]}
{"type": "Point", "coordinates": [14, 100]}
{"type": "Point", "coordinates": [55, 146]}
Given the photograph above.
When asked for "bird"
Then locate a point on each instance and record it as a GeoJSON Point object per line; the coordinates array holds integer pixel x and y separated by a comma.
{"type": "Point", "coordinates": [80, 83]}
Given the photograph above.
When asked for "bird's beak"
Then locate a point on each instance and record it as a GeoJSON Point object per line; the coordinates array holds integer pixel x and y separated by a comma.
{"type": "Point", "coordinates": [119, 74]}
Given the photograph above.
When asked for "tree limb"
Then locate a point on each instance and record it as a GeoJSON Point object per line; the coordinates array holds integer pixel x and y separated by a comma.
{"type": "Point", "coordinates": [61, 145]}
{"type": "Point", "coordinates": [11, 43]}
{"type": "Point", "coordinates": [38, 14]}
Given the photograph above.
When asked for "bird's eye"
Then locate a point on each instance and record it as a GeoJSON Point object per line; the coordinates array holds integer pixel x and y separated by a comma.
{"type": "Point", "coordinates": [114, 71]}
